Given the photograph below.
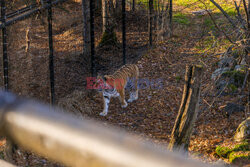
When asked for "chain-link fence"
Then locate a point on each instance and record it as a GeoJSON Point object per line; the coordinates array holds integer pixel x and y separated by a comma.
{"type": "Point", "coordinates": [50, 61]}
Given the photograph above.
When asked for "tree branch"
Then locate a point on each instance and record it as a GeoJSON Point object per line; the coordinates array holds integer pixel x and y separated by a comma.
{"type": "Point", "coordinates": [224, 13]}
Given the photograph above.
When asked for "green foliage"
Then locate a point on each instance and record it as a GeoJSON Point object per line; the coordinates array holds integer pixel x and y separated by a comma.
{"type": "Point", "coordinates": [242, 147]}
{"type": "Point", "coordinates": [238, 52]}
{"type": "Point", "coordinates": [185, 2]}
{"type": "Point", "coordinates": [232, 87]}
{"type": "Point", "coordinates": [207, 43]}
{"type": "Point", "coordinates": [223, 151]}
{"type": "Point", "coordinates": [181, 18]}
{"type": "Point", "coordinates": [108, 39]}
{"type": "Point", "coordinates": [233, 156]}
{"type": "Point", "coordinates": [241, 150]}
{"type": "Point", "coordinates": [178, 78]}
{"type": "Point", "coordinates": [237, 76]}
{"type": "Point", "coordinates": [208, 23]}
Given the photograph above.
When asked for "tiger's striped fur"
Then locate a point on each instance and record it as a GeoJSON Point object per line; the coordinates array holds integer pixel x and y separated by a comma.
{"type": "Point", "coordinates": [114, 85]}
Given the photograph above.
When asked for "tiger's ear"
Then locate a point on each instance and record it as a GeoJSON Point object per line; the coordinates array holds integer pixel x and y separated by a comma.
{"type": "Point", "coordinates": [106, 77]}
{"type": "Point", "coordinates": [98, 77]}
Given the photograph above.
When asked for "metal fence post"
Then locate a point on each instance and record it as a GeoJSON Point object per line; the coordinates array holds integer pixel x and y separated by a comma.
{"type": "Point", "coordinates": [150, 4]}
{"type": "Point", "coordinates": [51, 55]}
{"type": "Point", "coordinates": [92, 37]}
{"type": "Point", "coordinates": [4, 40]}
{"type": "Point", "coordinates": [171, 16]}
{"type": "Point", "coordinates": [133, 5]}
{"type": "Point", "coordinates": [124, 30]}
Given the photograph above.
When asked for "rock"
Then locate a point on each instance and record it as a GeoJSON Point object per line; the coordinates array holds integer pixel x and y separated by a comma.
{"type": "Point", "coordinates": [231, 108]}
{"type": "Point", "coordinates": [227, 62]}
{"type": "Point", "coordinates": [240, 68]}
{"type": "Point", "coordinates": [220, 162]}
{"type": "Point", "coordinates": [201, 12]}
{"type": "Point", "coordinates": [243, 131]}
{"type": "Point", "coordinates": [220, 86]}
{"type": "Point", "coordinates": [218, 72]}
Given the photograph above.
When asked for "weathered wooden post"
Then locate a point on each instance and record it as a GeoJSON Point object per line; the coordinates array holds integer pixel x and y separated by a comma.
{"type": "Point", "coordinates": [187, 114]}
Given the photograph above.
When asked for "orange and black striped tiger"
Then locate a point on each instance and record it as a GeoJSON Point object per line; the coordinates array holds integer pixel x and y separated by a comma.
{"type": "Point", "coordinates": [114, 85]}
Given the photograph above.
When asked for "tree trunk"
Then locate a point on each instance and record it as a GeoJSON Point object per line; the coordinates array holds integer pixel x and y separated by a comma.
{"type": "Point", "coordinates": [86, 27]}
{"type": "Point", "coordinates": [187, 114]}
{"type": "Point", "coordinates": [118, 6]}
{"type": "Point", "coordinates": [108, 36]}
{"type": "Point", "coordinates": [248, 30]}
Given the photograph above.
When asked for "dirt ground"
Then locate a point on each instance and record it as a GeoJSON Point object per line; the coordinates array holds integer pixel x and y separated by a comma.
{"type": "Point", "coordinates": [153, 114]}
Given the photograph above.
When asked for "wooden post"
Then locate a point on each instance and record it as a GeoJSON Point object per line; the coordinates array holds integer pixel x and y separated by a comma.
{"type": "Point", "coordinates": [5, 164]}
{"type": "Point", "coordinates": [74, 142]}
{"type": "Point", "coordinates": [187, 114]}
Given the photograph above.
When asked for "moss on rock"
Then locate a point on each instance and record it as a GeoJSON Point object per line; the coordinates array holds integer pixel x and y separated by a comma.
{"type": "Point", "coordinates": [239, 156]}
{"type": "Point", "coordinates": [223, 151]}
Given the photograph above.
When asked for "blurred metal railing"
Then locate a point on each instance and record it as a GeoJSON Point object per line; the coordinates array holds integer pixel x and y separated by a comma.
{"type": "Point", "coordinates": [61, 137]}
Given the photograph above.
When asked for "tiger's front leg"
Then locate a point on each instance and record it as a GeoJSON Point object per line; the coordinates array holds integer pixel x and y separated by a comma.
{"type": "Point", "coordinates": [106, 100]}
{"type": "Point", "coordinates": [122, 98]}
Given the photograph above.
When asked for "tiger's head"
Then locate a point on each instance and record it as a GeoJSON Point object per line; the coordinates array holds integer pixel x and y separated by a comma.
{"type": "Point", "coordinates": [102, 82]}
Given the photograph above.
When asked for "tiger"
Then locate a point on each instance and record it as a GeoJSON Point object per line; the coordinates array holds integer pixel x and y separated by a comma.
{"type": "Point", "coordinates": [114, 86]}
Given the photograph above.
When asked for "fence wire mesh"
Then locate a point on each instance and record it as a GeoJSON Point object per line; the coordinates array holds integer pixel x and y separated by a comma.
{"type": "Point", "coordinates": [28, 44]}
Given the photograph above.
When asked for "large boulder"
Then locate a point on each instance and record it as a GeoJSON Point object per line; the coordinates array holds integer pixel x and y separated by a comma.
{"type": "Point", "coordinates": [243, 131]}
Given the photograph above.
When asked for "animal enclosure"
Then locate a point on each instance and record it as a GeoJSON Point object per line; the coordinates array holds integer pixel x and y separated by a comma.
{"type": "Point", "coordinates": [51, 48]}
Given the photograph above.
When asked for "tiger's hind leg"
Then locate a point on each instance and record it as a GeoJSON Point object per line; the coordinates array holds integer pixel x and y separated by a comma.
{"type": "Point", "coordinates": [134, 91]}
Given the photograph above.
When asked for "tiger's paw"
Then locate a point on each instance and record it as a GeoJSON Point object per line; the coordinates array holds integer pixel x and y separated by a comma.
{"type": "Point", "coordinates": [130, 100]}
{"type": "Point", "coordinates": [103, 113]}
{"type": "Point", "coordinates": [125, 105]}
{"type": "Point", "coordinates": [136, 97]}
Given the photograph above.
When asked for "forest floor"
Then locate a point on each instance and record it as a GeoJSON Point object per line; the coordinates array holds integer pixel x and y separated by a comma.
{"type": "Point", "coordinates": [152, 116]}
